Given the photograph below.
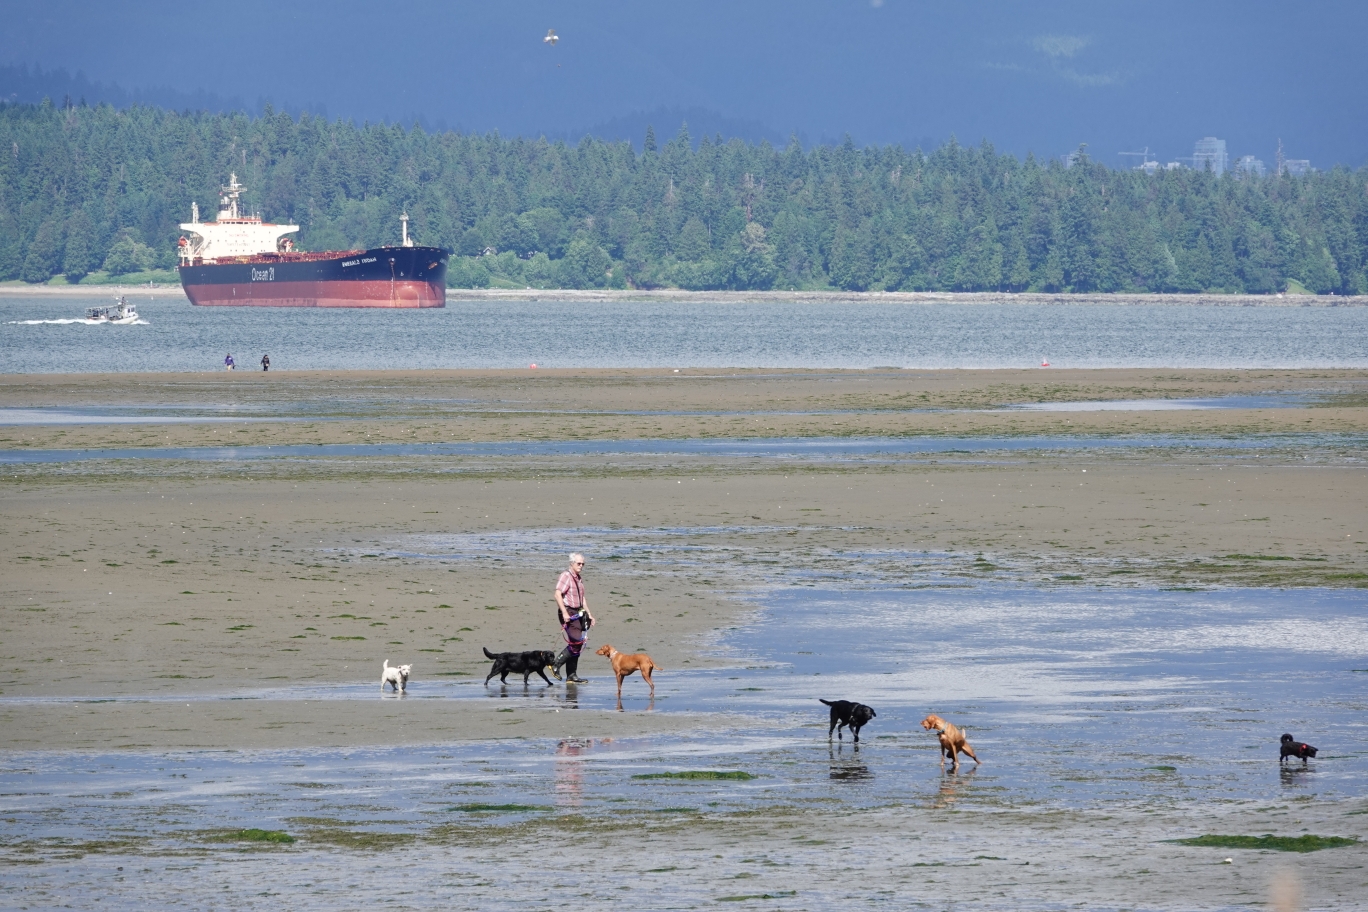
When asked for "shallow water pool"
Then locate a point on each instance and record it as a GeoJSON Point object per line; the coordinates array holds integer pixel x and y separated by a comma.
{"type": "Point", "coordinates": [1125, 704]}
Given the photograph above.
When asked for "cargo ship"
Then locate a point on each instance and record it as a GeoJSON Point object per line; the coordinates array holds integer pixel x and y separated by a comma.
{"type": "Point", "coordinates": [241, 261]}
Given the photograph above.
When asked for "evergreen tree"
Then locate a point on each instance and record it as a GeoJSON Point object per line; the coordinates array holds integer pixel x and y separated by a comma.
{"type": "Point", "coordinates": [585, 265]}
{"type": "Point", "coordinates": [128, 254]}
{"type": "Point", "coordinates": [752, 260]}
{"type": "Point", "coordinates": [11, 251]}
{"type": "Point", "coordinates": [1017, 273]}
{"type": "Point", "coordinates": [1318, 272]}
{"type": "Point", "coordinates": [980, 266]}
{"type": "Point", "coordinates": [851, 264]}
{"type": "Point", "coordinates": [80, 257]}
{"type": "Point", "coordinates": [694, 242]}
{"type": "Point", "coordinates": [44, 254]}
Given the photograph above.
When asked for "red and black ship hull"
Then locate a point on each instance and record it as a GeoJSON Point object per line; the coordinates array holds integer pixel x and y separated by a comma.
{"type": "Point", "coordinates": [381, 277]}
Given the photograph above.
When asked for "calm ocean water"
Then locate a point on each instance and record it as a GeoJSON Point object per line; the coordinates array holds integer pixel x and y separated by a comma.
{"type": "Point", "coordinates": [179, 337]}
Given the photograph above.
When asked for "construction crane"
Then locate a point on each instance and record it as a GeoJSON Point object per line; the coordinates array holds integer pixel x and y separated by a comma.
{"type": "Point", "coordinates": [1144, 158]}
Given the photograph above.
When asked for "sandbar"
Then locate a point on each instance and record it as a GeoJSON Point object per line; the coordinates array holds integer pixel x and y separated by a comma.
{"type": "Point", "coordinates": [148, 578]}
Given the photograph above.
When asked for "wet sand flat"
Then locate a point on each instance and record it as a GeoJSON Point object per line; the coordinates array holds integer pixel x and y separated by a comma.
{"type": "Point", "coordinates": [225, 620]}
{"type": "Point", "coordinates": [164, 576]}
{"type": "Point", "coordinates": [922, 854]}
{"type": "Point", "coordinates": [443, 406]}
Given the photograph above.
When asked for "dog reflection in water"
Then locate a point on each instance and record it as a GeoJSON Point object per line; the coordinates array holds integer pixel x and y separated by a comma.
{"type": "Point", "coordinates": [1295, 776]}
{"type": "Point", "coordinates": [650, 705]}
{"type": "Point", "coordinates": [950, 785]}
{"type": "Point", "coordinates": [847, 769]}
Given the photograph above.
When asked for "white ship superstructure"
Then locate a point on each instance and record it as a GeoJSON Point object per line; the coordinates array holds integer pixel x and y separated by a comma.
{"type": "Point", "coordinates": [234, 234]}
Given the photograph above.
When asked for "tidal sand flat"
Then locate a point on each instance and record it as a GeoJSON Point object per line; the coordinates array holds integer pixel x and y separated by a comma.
{"type": "Point", "coordinates": [194, 645]}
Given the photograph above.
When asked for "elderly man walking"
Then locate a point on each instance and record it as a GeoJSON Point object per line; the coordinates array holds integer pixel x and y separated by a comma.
{"type": "Point", "coordinates": [574, 617]}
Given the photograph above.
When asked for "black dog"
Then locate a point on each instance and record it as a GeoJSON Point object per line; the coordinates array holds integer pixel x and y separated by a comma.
{"type": "Point", "coordinates": [1294, 748]}
{"type": "Point", "coordinates": [843, 713]}
{"type": "Point", "coordinates": [523, 663]}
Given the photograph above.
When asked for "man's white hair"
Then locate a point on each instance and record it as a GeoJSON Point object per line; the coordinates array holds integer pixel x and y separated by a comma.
{"type": "Point", "coordinates": [575, 556]}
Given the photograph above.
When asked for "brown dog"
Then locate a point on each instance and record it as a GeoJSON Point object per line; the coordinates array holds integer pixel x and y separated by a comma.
{"type": "Point", "coordinates": [624, 664]}
{"type": "Point", "coordinates": [952, 741]}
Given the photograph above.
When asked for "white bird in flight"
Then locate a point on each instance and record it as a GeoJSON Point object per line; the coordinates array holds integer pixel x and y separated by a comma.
{"type": "Point", "coordinates": [551, 37]}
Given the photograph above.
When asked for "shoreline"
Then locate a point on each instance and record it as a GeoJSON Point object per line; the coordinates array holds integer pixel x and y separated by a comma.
{"type": "Point", "coordinates": [590, 296]}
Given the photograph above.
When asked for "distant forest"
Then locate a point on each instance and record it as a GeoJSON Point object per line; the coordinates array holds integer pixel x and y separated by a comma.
{"type": "Point", "coordinates": [96, 191]}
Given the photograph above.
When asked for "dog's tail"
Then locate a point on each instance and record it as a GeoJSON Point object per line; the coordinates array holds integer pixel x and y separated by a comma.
{"type": "Point", "coordinates": [488, 654]}
{"type": "Point", "coordinates": [820, 700]}
{"type": "Point", "coordinates": [386, 665]}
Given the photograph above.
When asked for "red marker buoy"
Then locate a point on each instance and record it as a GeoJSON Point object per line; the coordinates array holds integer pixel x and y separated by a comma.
{"type": "Point", "coordinates": [1043, 363]}
{"type": "Point", "coordinates": [532, 366]}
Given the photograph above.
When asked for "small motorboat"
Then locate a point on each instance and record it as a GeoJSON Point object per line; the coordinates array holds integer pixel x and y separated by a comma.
{"type": "Point", "coordinates": [121, 313]}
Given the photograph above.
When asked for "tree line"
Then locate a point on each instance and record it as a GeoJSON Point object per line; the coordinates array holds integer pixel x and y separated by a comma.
{"type": "Point", "coordinates": [86, 191]}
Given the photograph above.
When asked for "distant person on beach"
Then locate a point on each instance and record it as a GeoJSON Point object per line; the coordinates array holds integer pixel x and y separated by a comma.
{"type": "Point", "coordinates": [572, 612]}
{"type": "Point", "coordinates": [228, 362]}
{"type": "Point", "coordinates": [265, 362]}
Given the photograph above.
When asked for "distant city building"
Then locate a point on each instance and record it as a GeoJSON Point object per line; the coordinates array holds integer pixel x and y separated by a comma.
{"type": "Point", "coordinates": [1210, 152]}
{"type": "Point", "coordinates": [1296, 167]}
{"type": "Point", "coordinates": [1249, 166]}
{"type": "Point", "coordinates": [1173, 166]}
{"type": "Point", "coordinates": [1149, 167]}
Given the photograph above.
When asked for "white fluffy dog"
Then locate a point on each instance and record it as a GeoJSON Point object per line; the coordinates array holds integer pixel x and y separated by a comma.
{"type": "Point", "coordinates": [396, 675]}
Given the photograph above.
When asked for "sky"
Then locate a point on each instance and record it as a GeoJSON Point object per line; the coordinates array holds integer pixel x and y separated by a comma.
{"type": "Point", "coordinates": [1039, 77]}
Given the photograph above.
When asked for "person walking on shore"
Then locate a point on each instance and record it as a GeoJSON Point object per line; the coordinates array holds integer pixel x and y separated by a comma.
{"type": "Point", "coordinates": [575, 618]}
{"type": "Point", "coordinates": [228, 362]}
{"type": "Point", "coordinates": [265, 362]}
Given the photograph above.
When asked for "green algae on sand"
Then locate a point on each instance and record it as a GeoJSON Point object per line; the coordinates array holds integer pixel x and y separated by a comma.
{"type": "Point", "coordinates": [499, 808]}
{"type": "Point", "coordinates": [1304, 843]}
{"type": "Point", "coordinates": [740, 775]}
{"type": "Point", "coordinates": [253, 834]}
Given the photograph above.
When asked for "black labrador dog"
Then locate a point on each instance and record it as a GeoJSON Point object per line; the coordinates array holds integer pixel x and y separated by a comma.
{"type": "Point", "coordinates": [1291, 747]}
{"type": "Point", "coordinates": [523, 663]}
{"type": "Point", "coordinates": [846, 713]}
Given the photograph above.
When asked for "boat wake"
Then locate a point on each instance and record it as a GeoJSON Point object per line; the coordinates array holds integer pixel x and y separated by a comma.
{"type": "Point", "coordinates": [80, 320]}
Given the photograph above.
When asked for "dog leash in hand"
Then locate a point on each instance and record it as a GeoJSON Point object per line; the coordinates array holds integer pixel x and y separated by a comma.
{"type": "Point", "coordinates": [586, 623]}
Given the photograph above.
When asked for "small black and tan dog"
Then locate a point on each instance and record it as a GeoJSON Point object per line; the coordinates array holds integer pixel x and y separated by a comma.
{"type": "Point", "coordinates": [844, 713]}
{"type": "Point", "coordinates": [1291, 747]}
{"type": "Point", "coordinates": [523, 663]}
